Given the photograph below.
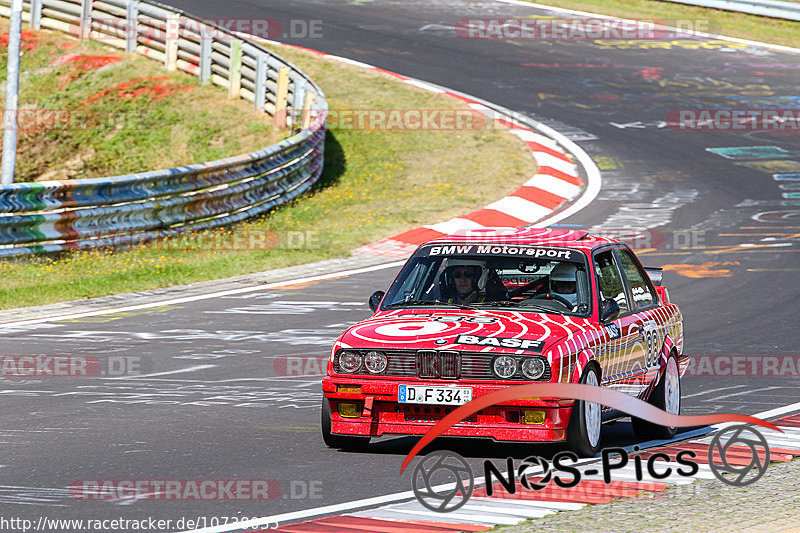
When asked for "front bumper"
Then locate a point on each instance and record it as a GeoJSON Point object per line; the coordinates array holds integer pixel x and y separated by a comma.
{"type": "Point", "coordinates": [381, 414]}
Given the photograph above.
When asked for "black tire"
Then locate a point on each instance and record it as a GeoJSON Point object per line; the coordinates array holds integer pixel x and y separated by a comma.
{"type": "Point", "coordinates": [343, 442]}
{"type": "Point", "coordinates": [659, 397]}
{"type": "Point", "coordinates": [578, 430]}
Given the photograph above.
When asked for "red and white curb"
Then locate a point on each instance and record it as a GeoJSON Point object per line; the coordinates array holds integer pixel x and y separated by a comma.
{"type": "Point", "coordinates": [556, 183]}
{"type": "Point", "coordinates": [401, 513]}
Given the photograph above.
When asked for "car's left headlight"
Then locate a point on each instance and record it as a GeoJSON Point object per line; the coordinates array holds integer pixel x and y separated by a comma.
{"type": "Point", "coordinates": [533, 367]}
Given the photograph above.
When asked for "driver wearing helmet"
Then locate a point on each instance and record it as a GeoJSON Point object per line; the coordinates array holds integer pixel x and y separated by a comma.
{"type": "Point", "coordinates": [462, 281]}
{"type": "Point", "coordinates": [563, 282]}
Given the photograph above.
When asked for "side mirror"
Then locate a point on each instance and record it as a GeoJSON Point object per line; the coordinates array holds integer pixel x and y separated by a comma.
{"type": "Point", "coordinates": [609, 310]}
{"type": "Point", "coordinates": [375, 300]}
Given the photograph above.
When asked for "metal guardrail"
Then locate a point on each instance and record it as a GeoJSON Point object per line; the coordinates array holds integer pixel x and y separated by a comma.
{"type": "Point", "coordinates": [788, 10]}
{"type": "Point", "coordinates": [122, 210]}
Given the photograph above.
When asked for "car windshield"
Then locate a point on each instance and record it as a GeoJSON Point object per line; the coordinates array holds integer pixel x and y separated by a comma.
{"type": "Point", "coordinates": [519, 277]}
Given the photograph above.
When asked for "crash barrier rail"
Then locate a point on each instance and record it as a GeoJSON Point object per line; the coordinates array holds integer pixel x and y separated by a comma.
{"type": "Point", "coordinates": [782, 9]}
{"type": "Point", "coordinates": [122, 210]}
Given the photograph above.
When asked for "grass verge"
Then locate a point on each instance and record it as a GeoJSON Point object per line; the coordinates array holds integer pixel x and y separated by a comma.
{"type": "Point", "coordinates": [713, 21]}
{"type": "Point", "coordinates": [376, 182]}
{"type": "Point", "coordinates": [87, 110]}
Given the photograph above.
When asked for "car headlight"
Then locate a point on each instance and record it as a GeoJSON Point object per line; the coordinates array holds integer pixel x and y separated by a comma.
{"type": "Point", "coordinates": [349, 362]}
{"type": "Point", "coordinates": [375, 362]}
{"type": "Point", "coordinates": [504, 366]}
{"type": "Point", "coordinates": [533, 367]}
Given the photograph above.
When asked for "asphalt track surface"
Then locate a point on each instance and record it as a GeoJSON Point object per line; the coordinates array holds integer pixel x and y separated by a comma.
{"type": "Point", "coordinates": [238, 392]}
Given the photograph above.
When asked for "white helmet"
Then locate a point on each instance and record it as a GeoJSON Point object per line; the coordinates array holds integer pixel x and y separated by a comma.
{"type": "Point", "coordinates": [565, 273]}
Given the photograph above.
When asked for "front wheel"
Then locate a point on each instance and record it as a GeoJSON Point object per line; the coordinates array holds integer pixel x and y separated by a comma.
{"type": "Point", "coordinates": [583, 431]}
{"type": "Point", "coordinates": [343, 442]}
{"type": "Point", "coordinates": [667, 397]}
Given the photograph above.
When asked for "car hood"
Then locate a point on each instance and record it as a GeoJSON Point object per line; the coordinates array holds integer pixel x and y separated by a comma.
{"type": "Point", "coordinates": [467, 330]}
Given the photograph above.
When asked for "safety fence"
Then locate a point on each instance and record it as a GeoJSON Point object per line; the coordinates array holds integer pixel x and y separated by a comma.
{"type": "Point", "coordinates": [122, 210]}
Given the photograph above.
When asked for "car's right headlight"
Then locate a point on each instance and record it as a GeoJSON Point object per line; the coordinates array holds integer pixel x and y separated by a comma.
{"type": "Point", "coordinates": [504, 366]}
{"type": "Point", "coordinates": [349, 362]}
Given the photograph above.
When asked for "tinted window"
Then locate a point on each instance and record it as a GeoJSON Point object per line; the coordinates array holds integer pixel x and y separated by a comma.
{"type": "Point", "coordinates": [637, 279]}
{"type": "Point", "coordinates": [610, 281]}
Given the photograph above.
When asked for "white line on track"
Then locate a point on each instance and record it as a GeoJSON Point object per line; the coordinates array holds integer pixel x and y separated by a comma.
{"type": "Point", "coordinates": [657, 26]}
{"type": "Point", "coordinates": [198, 297]}
{"type": "Point", "coordinates": [711, 391]}
{"type": "Point", "coordinates": [179, 371]}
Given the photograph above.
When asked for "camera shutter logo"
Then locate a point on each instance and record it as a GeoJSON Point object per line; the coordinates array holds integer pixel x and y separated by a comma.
{"type": "Point", "coordinates": [741, 436]}
{"type": "Point", "coordinates": [536, 464]}
{"type": "Point", "coordinates": [442, 468]}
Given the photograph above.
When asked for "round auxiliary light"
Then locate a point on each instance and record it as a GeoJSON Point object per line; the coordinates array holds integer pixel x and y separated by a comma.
{"type": "Point", "coordinates": [349, 362]}
{"type": "Point", "coordinates": [533, 368]}
{"type": "Point", "coordinates": [504, 366]}
{"type": "Point", "coordinates": [375, 362]}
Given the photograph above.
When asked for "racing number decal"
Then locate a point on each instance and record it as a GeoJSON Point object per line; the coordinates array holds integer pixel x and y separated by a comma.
{"type": "Point", "coordinates": [651, 336]}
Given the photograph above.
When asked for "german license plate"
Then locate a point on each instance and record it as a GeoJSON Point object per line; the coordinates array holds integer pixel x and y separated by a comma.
{"type": "Point", "coordinates": [434, 395]}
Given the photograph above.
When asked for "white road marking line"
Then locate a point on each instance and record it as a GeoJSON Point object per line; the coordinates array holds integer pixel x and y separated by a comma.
{"type": "Point", "coordinates": [537, 504]}
{"type": "Point", "coordinates": [179, 371]}
{"type": "Point", "coordinates": [658, 26]}
{"type": "Point", "coordinates": [495, 509]}
{"type": "Point", "coordinates": [267, 286]}
{"type": "Point", "coordinates": [711, 391]}
{"type": "Point", "coordinates": [480, 518]}
{"type": "Point", "coordinates": [748, 391]}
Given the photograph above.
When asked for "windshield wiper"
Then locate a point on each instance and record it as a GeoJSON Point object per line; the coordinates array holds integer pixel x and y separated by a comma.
{"type": "Point", "coordinates": [499, 303]}
{"type": "Point", "coordinates": [429, 302]}
{"type": "Point", "coordinates": [413, 302]}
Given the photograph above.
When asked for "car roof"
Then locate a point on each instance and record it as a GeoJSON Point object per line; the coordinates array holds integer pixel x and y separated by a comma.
{"type": "Point", "coordinates": [560, 237]}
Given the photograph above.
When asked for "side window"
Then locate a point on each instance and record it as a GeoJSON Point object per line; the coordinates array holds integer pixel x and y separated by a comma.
{"type": "Point", "coordinates": [610, 281]}
{"type": "Point", "coordinates": [637, 279]}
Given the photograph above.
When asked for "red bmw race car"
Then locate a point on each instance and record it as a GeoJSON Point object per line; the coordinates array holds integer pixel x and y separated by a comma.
{"type": "Point", "coordinates": [470, 314]}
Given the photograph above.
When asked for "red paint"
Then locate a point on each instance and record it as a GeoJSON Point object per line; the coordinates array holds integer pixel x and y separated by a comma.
{"type": "Point", "coordinates": [86, 63]}
{"type": "Point", "coordinates": [28, 40]}
{"type": "Point", "coordinates": [135, 88]}
{"type": "Point", "coordinates": [651, 73]}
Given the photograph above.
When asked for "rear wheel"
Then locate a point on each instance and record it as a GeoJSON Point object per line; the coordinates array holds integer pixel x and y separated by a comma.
{"type": "Point", "coordinates": [585, 423]}
{"type": "Point", "coordinates": [344, 442]}
{"type": "Point", "coordinates": [667, 397]}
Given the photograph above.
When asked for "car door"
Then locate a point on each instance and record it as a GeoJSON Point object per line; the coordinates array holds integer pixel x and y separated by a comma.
{"type": "Point", "coordinates": [644, 302]}
{"type": "Point", "coordinates": [623, 353]}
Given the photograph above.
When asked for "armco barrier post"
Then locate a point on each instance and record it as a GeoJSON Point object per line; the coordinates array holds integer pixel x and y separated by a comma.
{"type": "Point", "coordinates": [10, 121]}
{"type": "Point", "coordinates": [298, 97]}
{"type": "Point", "coordinates": [307, 110]}
{"type": "Point", "coordinates": [280, 97]}
{"type": "Point", "coordinates": [235, 74]}
{"type": "Point", "coordinates": [132, 27]}
{"type": "Point", "coordinates": [36, 14]}
{"type": "Point", "coordinates": [260, 99]}
{"type": "Point", "coordinates": [171, 41]}
{"type": "Point", "coordinates": [86, 18]}
{"type": "Point", "coordinates": [206, 38]}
